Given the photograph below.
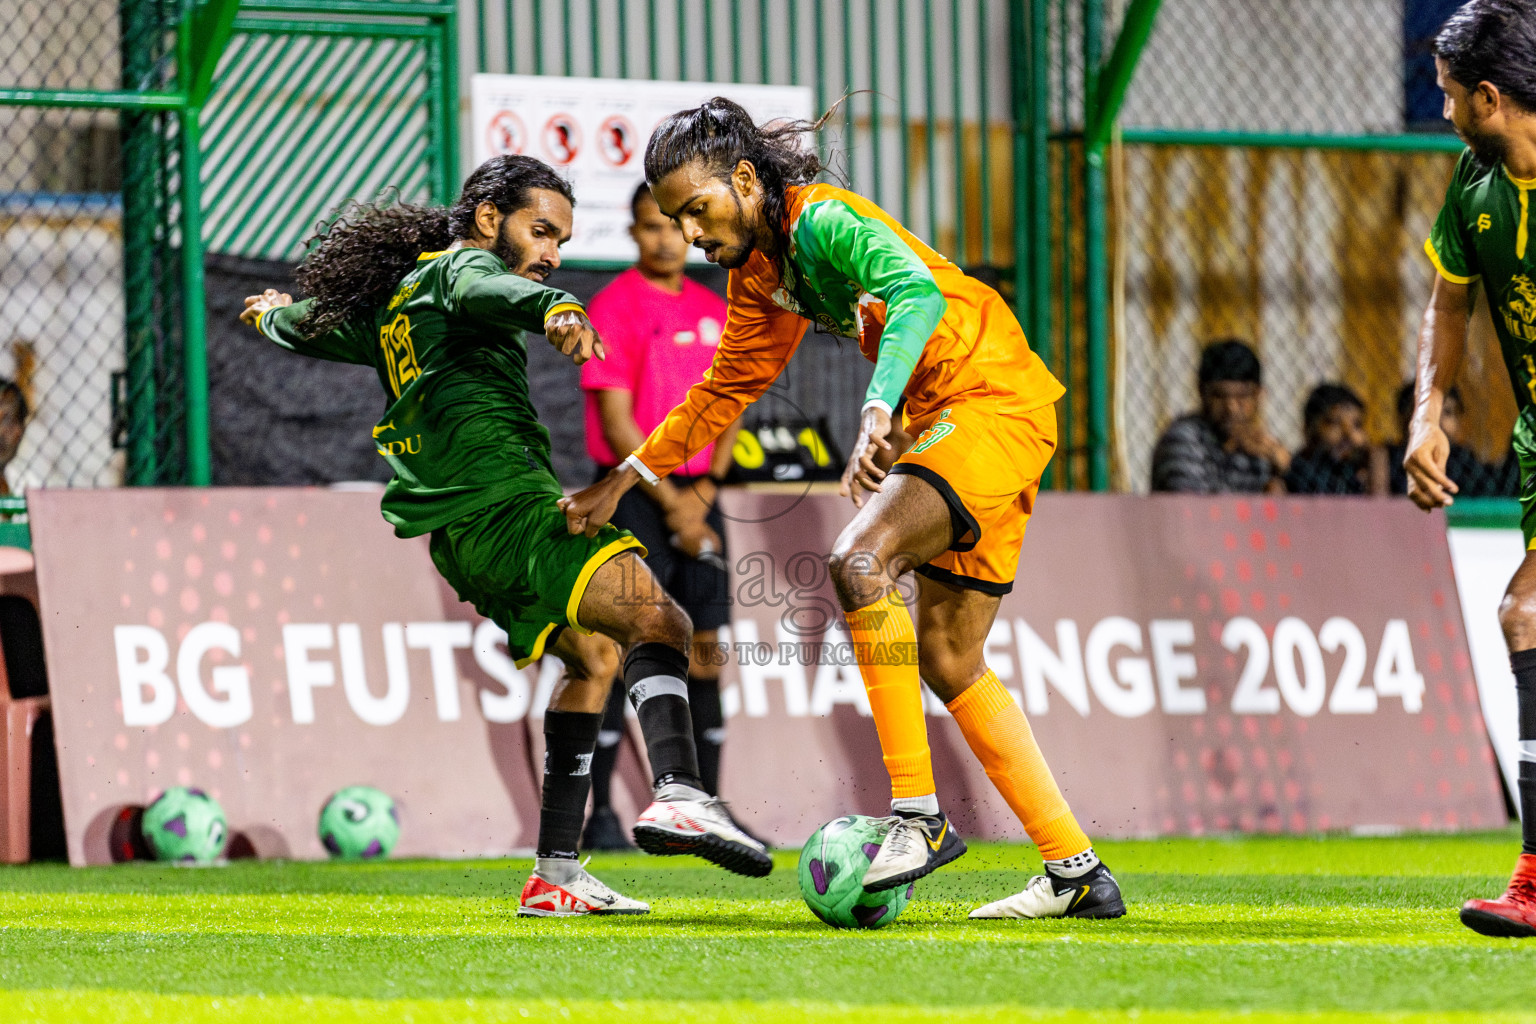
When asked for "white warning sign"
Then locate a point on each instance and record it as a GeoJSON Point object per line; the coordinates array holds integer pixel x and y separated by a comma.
{"type": "Point", "coordinates": [594, 131]}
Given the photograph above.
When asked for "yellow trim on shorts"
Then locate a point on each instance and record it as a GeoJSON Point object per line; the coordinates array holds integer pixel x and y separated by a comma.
{"type": "Point", "coordinates": [538, 647]}
{"type": "Point", "coordinates": [1434, 257]}
{"type": "Point", "coordinates": [1532, 545]}
{"type": "Point", "coordinates": [584, 578]}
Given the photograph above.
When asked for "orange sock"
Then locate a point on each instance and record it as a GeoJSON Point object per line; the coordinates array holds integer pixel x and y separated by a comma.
{"type": "Point", "coordinates": [886, 645]}
{"type": "Point", "coordinates": [1001, 739]}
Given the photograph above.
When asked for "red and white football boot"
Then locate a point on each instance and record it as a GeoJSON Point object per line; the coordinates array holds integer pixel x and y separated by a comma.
{"type": "Point", "coordinates": [580, 897]}
{"type": "Point", "coordinates": [1512, 915]}
{"type": "Point", "coordinates": [684, 820]}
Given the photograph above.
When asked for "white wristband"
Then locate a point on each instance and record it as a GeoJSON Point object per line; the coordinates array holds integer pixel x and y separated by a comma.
{"type": "Point", "coordinates": [633, 462]}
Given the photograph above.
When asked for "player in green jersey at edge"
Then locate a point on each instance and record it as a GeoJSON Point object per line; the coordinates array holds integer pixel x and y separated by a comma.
{"type": "Point", "coordinates": [437, 301]}
{"type": "Point", "coordinates": [1485, 59]}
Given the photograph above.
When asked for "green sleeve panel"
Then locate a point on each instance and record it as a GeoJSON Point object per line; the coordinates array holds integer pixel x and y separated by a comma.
{"type": "Point", "coordinates": [1450, 245]}
{"type": "Point", "coordinates": [352, 342]}
{"type": "Point", "coordinates": [481, 287]}
{"type": "Point", "coordinates": [868, 253]}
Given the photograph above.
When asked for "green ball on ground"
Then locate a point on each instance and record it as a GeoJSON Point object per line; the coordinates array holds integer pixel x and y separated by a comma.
{"type": "Point", "coordinates": [832, 866]}
{"type": "Point", "coordinates": [185, 826]}
{"type": "Point", "coordinates": [359, 823]}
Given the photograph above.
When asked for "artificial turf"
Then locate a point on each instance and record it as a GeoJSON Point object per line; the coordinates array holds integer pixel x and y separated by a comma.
{"type": "Point", "coordinates": [1274, 929]}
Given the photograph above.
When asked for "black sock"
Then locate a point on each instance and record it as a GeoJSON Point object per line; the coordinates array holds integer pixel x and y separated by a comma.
{"type": "Point", "coordinates": [1527, 806]}
{"type": "Point", "coordinates": [607, 753]}
{"type": "Point", "coordinates": [569, 737]}
{"type": "Point", "coordinates": [1524, 664]}
{"type": "Point", "coordinates": [653, 677]}
{"type": "Point", "coordinates": [708, 729]}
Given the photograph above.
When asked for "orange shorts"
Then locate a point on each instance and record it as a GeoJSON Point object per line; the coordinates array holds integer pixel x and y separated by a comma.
{"type": "Point", "coordinates": [987, 464]}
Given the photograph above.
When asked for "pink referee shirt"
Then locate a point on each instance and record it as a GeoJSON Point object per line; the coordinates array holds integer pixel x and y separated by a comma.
{"type": "Point", "coordinates": [659, 345]}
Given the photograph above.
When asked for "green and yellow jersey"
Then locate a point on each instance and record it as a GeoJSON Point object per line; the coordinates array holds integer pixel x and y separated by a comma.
{"type": "Point", "coordinates": [1484, 232]}
{"type": "Point", "coordinates": [460, 430]}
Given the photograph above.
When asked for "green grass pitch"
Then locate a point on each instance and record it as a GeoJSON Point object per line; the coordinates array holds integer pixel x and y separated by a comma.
{"type": "Point", "coordinates": [1260, 930]}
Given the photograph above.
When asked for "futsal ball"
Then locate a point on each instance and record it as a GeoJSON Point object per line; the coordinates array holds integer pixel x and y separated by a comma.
{"type": "Point", "coordinates": [185, 826]}
{"type": "Point", "coordinates": [359, 823]}
{"type": "Point", "coordinates": [832, 866]}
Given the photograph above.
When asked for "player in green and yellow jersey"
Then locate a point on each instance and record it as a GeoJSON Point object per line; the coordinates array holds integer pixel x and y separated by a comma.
{"type": "Point", "coordinates": [437, 301]}
{"type": "Point", "coordinates": [1485, 58]}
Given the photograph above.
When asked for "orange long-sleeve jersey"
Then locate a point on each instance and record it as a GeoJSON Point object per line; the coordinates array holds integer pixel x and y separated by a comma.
{"type": "Point", "coordinates": [935, 335]}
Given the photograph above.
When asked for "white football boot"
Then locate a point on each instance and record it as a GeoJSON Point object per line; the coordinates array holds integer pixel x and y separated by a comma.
{"type": "Point", "coordinates": [913, 847]}
{"type": "Point", "coordinates": [1095, 894]}
{"type": "Point", "coordinates": [684, 820]}
{"type": "Point", "coordinates": [581, 896]}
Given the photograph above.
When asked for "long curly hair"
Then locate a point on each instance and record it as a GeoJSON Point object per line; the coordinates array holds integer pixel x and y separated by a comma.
{"type": "Point", "coordinates": [355, 260]}
{"type": "Point", "coordinates": [721, 134]}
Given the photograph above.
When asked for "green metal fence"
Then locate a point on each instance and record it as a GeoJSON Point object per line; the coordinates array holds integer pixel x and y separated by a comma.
{"type": "Point", "coordinates": [316, 104]}
{"type": "Point", "coordinates": [926, 132]}
{"type": "Point", "coordinates": [121, 164]}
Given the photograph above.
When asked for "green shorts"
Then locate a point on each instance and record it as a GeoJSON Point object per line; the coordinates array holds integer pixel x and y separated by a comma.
{"type": "Point", "coordinates": [1523, 443]}
{"type": "Point", "coordinates": [520, 567]}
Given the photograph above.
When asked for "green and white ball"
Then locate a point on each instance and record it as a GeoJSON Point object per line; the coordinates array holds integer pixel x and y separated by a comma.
{"type": "Point", "coordinates": [359, 823]}
{"type": "Point", "coordinates": [832, 866]}
{"type": "Point", "coordinates": [185, 826]}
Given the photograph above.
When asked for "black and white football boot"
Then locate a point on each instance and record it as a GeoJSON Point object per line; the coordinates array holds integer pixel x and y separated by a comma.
{"type": "Point", "coordinates": [1094, 895]}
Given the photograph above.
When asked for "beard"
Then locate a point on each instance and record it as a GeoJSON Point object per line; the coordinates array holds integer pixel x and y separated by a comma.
{"type": "Point", "coordinates": [516, 259]}
{"type": "Point", "coordinates": [733, 257]}
{"type": "Point", "coordinates": [1487, 148]}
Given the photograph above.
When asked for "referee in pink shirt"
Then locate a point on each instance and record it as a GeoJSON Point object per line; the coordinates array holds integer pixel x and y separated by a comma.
{"type": "Point", "coordinates": [661, 330]}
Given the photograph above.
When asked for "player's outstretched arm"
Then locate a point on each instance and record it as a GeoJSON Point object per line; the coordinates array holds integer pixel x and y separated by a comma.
{"type": "Point", "coordinates": [573, 335]}
{"type": "Point", "coordinates": [684, 510]}
{"type": "Point", "coordinates": [587, 511]}
{"type": "Point", "coordinates": [350, 342]}
{"type": "Point", "coordinates": [1442, 341]}
{"type": "Point", "coordinates": [482, 288]}
{"type": "Point", "coordinates": [255, 305]}
{"type": "Point", "coordinates": [759, 340]}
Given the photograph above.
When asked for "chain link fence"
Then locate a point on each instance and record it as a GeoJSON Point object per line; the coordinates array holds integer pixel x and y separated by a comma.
{"type": "Point", "coordinates": [1279, 170]}
{"type": "Point", "coordinates": [315, 103]}
{"type": "Point", "coordinates": [63, 276]}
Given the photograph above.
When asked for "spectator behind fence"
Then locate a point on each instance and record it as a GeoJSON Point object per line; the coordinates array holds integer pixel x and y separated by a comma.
{"type": "Point", "coordinates": [1337, 457]}
{"type": "Point", "coordinates": [1223, 447]}
{"type": "Point", "coordinates": [1476, 478]}
{"type": "Point", "coordinates": [661, 331]}
{"type": "Point", "coordinates": [13, 424]}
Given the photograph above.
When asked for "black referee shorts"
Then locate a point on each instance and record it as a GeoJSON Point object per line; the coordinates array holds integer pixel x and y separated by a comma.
{"type": "Point", "coordinates": [703, 590]}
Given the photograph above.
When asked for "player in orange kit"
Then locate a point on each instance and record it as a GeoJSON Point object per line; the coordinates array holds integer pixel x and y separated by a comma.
{"type": "Point", "coordinates": [952, 508]}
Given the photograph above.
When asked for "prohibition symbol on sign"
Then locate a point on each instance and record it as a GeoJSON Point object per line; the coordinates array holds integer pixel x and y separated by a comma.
{"type": "Point", "coordinates": [562, 139]}
{"type": "Point", "coordinates": [505, 135]}
{"type": "Point", "coordinates": [616, 140]}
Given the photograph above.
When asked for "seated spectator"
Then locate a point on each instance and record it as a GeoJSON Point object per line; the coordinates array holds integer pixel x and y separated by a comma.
{"type": "Point", "coordinates": [13, 424]}
{"type": "Point", "coordinates": [1223, 447]}
{"type": "Point", "coordinates": [1476, 478]}
{"type": "Point", "coordinates": [1336, 458]}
